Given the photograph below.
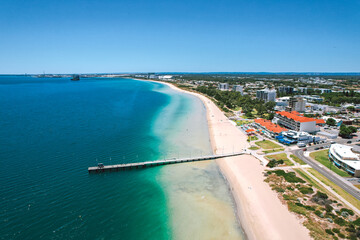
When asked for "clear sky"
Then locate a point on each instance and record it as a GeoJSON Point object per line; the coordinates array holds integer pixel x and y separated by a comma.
{"type": "Point", "coordinates": [88, 36]}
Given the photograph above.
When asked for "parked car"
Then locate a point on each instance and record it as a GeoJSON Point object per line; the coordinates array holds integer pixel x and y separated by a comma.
{"type": "Point", "coordinates": [348, 142]}
{"type": "Point", "coordinates": [305, 149]}
{"type": "Point", "coordinates": [316, 148]}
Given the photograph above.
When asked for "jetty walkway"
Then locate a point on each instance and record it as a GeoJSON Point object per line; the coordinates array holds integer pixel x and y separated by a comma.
{"type": "Point", "coordinates": [131, 166]}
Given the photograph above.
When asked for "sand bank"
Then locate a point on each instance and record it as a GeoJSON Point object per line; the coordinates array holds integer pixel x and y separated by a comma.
{"type": "Point", "coordinates": [260, 211]}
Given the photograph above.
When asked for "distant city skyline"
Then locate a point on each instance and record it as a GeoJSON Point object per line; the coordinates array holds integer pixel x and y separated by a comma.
{"type": "Point", "coordinates": [179, 36]}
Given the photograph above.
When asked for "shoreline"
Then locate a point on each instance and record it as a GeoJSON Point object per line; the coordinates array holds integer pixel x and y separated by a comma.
{"type": "Point", "coordinates": [258, 209]}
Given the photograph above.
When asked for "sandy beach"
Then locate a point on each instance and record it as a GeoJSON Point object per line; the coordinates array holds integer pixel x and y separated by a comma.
{"type": "Point", "coordinates": [261, 213]}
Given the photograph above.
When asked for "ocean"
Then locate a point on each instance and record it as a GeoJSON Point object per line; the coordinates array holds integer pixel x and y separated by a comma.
{"type": "Point", "coordinates": [53, 129]}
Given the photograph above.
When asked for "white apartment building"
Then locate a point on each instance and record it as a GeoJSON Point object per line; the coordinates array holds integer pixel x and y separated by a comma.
{"type": "Point", "coordinates": [223, 86]}
{"type": "Point", "coordinates": [238, 88]}
{"type": "Point", "coordinates": [296, 122]}
{"type": "Point", "coordinates": [297, 104]}
{"type": "Point", "coordinates": [266, 95]}
{"type": "Point", "coordinates": [346, 157]}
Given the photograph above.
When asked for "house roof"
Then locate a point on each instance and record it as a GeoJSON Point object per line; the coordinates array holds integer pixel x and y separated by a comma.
{"type": "Point", "coordinates": [295, 116]}
{"type": "Point", "coordinates": [272, 127]}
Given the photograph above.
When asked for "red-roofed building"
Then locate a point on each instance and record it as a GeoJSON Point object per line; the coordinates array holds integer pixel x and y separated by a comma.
{"type": "Point", "coordinates": [294, 121]}
{"type": "Point", "coordinates": [266, 125]}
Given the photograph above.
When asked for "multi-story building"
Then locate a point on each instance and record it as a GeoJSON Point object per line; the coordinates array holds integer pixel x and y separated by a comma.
{"type": "Point", "coordinates": [346, 157]}
{"type": "Point", "coordinates": [294, 121]}
{"type": "Point", "coordinates": [266, 95]}
{"type": "Point", "coordinates": [223, 86]}
{"type": "Point", "coordinates": [238, 88]}
{"type": "Point", "coordinates": [297, 104]}
{"type": "Point", "coordinates": [286, 89]}
{"type": "Point", "coordinates": [269, 128]}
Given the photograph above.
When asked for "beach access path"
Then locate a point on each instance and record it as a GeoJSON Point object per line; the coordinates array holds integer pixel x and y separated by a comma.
{"type": "Point", "coordinates": [261, 213]}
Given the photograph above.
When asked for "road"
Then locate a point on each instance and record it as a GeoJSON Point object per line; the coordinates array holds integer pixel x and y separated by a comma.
{"type": "Point", "coordinates": [325, 171]}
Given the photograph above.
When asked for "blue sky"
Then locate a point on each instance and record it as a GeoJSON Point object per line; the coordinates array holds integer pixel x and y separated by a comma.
{"type": "Point", "coordinates": [78, 36]}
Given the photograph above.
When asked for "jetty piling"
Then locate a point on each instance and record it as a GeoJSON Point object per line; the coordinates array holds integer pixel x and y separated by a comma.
{"type": "Point", "coordinates": [138, 165]}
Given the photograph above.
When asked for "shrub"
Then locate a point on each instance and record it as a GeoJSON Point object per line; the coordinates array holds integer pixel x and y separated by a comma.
{"type": "Point", "coordinates": [328, 231]}
{"type": "Point", "coordinates": [349, 211]}
{"type": "Point", "coordinates": [357, 222]}
{"type": "Point", "coordinates": [321, 195]}
{"type": "Point", "coordinates": [319, 213]}
{"type": "Point", "coordinates": [328, 208]}
{"type": "Point", "coordinates": [335, 230]}
{"type": "Point", "coordinates": [340, 221]}
{"type": "Point", "coordinates": [287, 197]}
{"type": "Point", "coordinates": [279, 189]}
{"type": "Point", "coordinates": [321, 199]}
{"type": "Point", "coordinates": [289, 177]}
{"type": "Point", "coordinates": [306, 190]}
{"type": "Point", "coordinates": [341, 235]}
{"type": "Point", "coordinates": [305, 206]}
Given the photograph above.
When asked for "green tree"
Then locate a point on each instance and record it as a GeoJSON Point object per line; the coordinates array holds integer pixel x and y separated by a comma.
{"type": "Point", "coordinates": [351, 108]}
{"type": "Point", "coordinates": [331, 122]}
{"type": "Point", "coordinates": [270, 106]}
{"type": "Point", "coordinates": [270, 116]}
{"type": "Point", "coordinates": [352, 129]}
{"type": "Point", "coordinates": [344, 132]}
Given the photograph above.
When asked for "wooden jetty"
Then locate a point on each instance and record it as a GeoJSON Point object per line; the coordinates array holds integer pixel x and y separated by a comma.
{"type": "Point", "coordinates": [130, 166]}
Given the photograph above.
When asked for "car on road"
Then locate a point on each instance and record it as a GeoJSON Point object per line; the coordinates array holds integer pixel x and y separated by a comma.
{"type": "Point", "coordinates": [348, 142]}
{"type": "Point", "coordinates": [304, 149]}
{"type": "Point", "coordinates": [317, 148]}
{"type": "Point", "coordinates": [332, 142]}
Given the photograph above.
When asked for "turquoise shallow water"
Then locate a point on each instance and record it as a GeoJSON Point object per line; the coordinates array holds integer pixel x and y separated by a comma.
{"type": "Point", "coordinates": [52, 130]}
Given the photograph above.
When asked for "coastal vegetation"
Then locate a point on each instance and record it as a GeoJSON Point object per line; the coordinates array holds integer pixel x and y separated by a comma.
{"type": "Point", "coordinates": [348, 197]}
{"type": "Point", "coordinates": [325, 217]}
{"type": "Point", "coordinates": [280, 156]}
{"type": "Point", "coordinates": [323, 158]}
{"type": "Point", "coordinates": [242, 122]}
{"type": "Point", "coordinates": [234, 100]}
{"type": "Point", "coordinates": [252, 138]}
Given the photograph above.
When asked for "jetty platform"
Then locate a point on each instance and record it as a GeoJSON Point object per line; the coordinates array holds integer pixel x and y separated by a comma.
{"type": "Point", "coordinates": [132, 166]}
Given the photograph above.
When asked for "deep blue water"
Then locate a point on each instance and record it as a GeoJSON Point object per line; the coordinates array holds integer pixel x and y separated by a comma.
{"type": "Point", "coordinates": [51, 131]}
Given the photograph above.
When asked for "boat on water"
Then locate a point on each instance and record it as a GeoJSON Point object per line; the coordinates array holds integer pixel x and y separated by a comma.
{"type": "Point", "coordinates": [75, 78]}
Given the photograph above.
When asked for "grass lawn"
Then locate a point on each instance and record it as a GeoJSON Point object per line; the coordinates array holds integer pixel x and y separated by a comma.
{"type": "Point", "coordinates": [252, 138]}
{"type": "Point", "coordinates": [274, 150]}
{"type": "Point", "coordinates": [336, 188]}
{"type": "Point", "coordinates": [298, 160]}
{"type": "Point", "coordinates": [241, 122]}
{"type": "Point", "coordinates": [267, 144]}
{"type": "Point", "coordinates": [322, 157]}
{"type": "Point", "coordinates": [280, 156]}
{"type": "Point", "coordinates": [253, 148]}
